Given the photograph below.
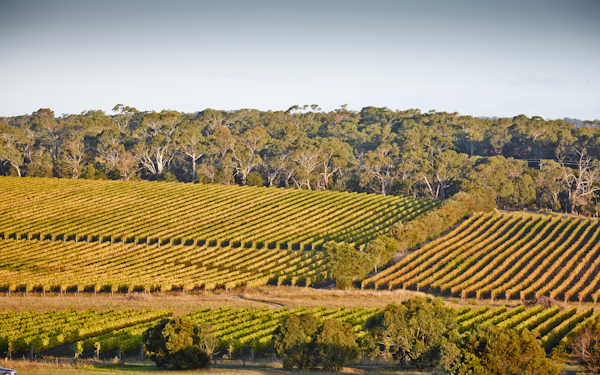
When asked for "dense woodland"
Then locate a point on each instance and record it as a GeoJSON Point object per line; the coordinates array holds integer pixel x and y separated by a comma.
{"type": "Point", "coordinates": [521, 162]}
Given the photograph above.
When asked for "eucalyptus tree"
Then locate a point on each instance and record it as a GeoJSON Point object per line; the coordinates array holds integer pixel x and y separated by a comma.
{"type": "Point", "coordinates": [123, 117]}
{"type": "Point", "coordinates": [73, 154]}
{"type": "Point", "coordinates": [14, 145]}
{"type": "Point", "coordinates": [190, 140]}
{"type": "Point", "coordinates": [335, 155]}
{"type": "Point", "coordinates": [114, 156]}
{"type": "Point", "coordinates": [582, 183]}
{"type": "Point", "coordinates": [245, 150]}
{"type": "Point", "coordinates": [379, 168]}
{"type": "Point", "coordinates": [156, 148]}
{"type": "Point", "coordinates": [49, 131]}
{"type": "Point", "coordinates": [306, 156]}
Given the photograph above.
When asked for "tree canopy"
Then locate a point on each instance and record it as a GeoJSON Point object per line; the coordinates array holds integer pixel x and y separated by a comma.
{"type": "Point", "coordinates": [521, 161]}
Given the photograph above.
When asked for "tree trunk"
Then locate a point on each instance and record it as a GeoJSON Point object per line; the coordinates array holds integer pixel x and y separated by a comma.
{"type": "Point", "coordinates": [193, 170]}
{"type": "Point", "coordinates": [18, 169]}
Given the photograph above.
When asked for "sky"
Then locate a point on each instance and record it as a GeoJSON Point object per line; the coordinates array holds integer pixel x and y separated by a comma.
{"type": "Point", "coordinates": [478, 58]}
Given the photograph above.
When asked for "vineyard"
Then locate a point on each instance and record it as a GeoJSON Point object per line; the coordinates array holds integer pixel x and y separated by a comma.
{"type": "Point", "coordinates": [110, 236]}
{"type": "Point", "coordinates": [40, 331]}
{"type": "Point", "coordinates": [91, 267]}
{"type": "Point", "coordinates": [176, 213]}
{"type": "Point", "coordinates": [511, 256]}
{"type": "Point", "coordinates": [238, 330]}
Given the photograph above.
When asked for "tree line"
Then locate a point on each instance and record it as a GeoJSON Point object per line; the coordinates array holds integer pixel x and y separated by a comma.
{"type": "Point", "coordinates": [520, 161]}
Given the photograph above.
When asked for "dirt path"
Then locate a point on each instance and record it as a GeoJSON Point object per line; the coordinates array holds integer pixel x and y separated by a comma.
{"type": "Point", "coordinates": [271, 305]}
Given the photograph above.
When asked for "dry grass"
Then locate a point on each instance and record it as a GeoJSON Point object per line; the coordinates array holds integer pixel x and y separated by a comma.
{"type": "Point", "coordinates": [294, 297]}
{"type": "Point", "coordinates": [181, 304]}
{"type": "Point", "coordinates": [276, 296]}
{"type": "Point", "coordinates": [268, 295]}
{"type": "Point", "coordinates": [233, 368]}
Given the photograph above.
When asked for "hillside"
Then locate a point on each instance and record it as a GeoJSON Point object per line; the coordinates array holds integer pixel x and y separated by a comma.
{"type": "Point", "coordinates": [505, 255]}
{"type": "Point", "coordinates": [144, 212]}
{"type": "Point", "coordinates": [80, 235]}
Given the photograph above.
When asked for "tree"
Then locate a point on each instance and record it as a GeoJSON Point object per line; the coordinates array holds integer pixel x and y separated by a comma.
{"type": "Point", "coordinates": [335, 345]}
{"type": "Point", "coordinates": [347, 263]}
{"type": "Point", "coordinates": [74, 153]}
{"type": "Point", "coordinates": [586, 346]}
{"type": "Point", "coordinates": [191, 142]}
{"type": "Point", "coordinates": [51, 133]}
{"type": "Point", "coordinates": [306, 342]}
{"type": "Point", "coordinates": [294, 339]}
{"type": "Point", "coordinates": [13, 145]}
{"type": "Point", "coordinates": [178, 343]}
{"type": "Point", "coordinates": [549, 184]}
{"type": "Point", "coordinates": [489, 350]}
{"type": "Point", "coordinates": [155, 151]}
{"type": "Point", "coordinates": [112, 153]}
{"type": "Point", "coordinates": [124, 117]}
{"type": "Point", "coordinates": [581, 184]}
{"type": "Point", "coordinates": [381, 249]}
{"type": "Point", "coordinates": [379, 165]}
{"type": "Point", "coordinates": [420, 332]}
{"type": "Point", "coordinates": [334, 156]}
{"type": "Point", "coordinates": [307, 158]}
{"type": "Point", "coordinates": [245, 150]}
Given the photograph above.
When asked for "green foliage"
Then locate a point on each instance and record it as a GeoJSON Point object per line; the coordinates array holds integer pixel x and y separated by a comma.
{"type": "Point", "coordinates": [347, 264]}
{"type": "Point", "coordinates": [489, 350]}
{"type": "Point", "coordinates": [336, 345]}
{"type": "Point", "coordinates": [441, 219]}
{"type": "Point", "coordinates": [176, 343]}
{"type": "Point", "coordinates": [381, 250]}
{"type": "Point", "coordinates": [254, 179]}
{"type": "Point", "coordinates": [294, 339]}
{"type": "Point", "coordinates": [420, 332]}
{"type": "Point", "coordinates": [308, 343]}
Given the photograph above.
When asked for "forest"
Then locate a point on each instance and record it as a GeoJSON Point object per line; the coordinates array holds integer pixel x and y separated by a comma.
{"type": "Point", "coordinates": [520, 162]}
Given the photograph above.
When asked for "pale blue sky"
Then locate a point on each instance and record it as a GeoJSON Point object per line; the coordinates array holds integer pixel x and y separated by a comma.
{"type": "Point", "coordinates": [480, 58]}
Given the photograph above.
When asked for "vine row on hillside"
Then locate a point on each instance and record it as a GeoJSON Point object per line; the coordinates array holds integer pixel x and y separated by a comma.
{"type": "Point", "coordinates": [509, 256]}
{"type": "Point", "coordinates": [175, 213]}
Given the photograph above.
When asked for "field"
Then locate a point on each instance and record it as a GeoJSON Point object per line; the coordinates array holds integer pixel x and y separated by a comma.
{"type": "Point", "coordinates": [92, 264]}
{"type": "Point", "coordinates": [177, 213]}
{"type": "Point", "coordinates": [242, 332]}
{"type": "Point", "coordinates": [113, 236]}
{"type": "Point", "coordinates": [505, 256]}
